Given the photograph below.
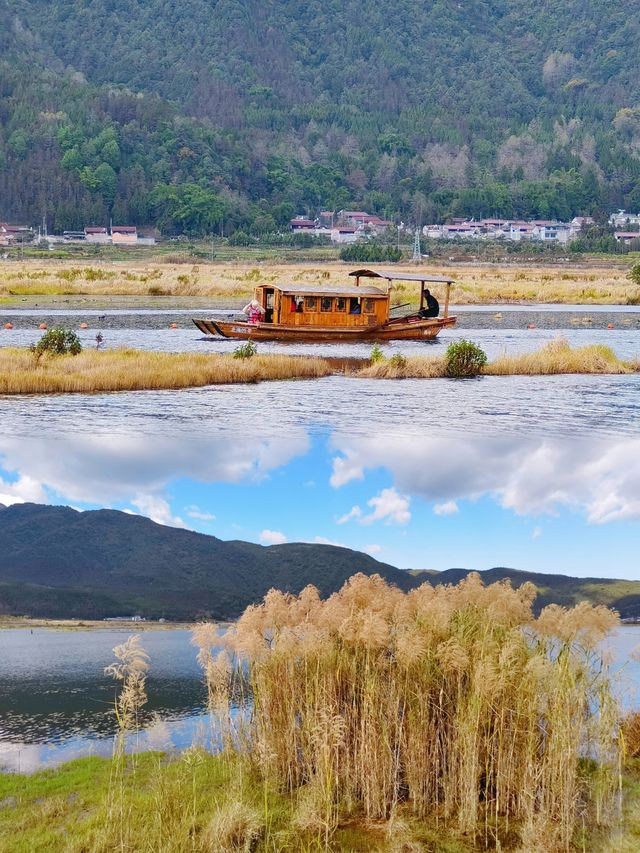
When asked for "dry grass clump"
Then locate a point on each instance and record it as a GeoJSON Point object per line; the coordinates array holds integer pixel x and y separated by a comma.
{"type": "Point", "coordinates": [132, 370]}
{"type": "Point", "coordinates": [558, 357]}
{"type": "Point", "coordinates": [454, 701]}
{"type": "Point", "coordinates": [235, 826]}
{"type": "Point", "coordinates": [409, 367]}
{"type": "Point", "coordinates": [631, 734]}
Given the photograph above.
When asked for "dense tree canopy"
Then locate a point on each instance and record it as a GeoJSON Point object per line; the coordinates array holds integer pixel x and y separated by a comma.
{"type": "Point", "coordinates": [214, 115]}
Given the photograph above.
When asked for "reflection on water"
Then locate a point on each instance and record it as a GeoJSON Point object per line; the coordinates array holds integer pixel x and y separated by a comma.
{"type": "Point", "coordinates": [55, 702]}
{"type": "Point", "coordinates": [540, 405]}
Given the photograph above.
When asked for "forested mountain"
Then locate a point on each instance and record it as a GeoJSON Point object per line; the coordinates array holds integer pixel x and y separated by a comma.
{"type": "Point", "coordinates": [243, 113]}
{"type": "Point", "coordinates": [58, 562]}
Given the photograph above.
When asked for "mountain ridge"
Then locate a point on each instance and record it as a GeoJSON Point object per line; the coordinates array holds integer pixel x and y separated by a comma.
{"type": "Point", "coordinates": [60, 562]}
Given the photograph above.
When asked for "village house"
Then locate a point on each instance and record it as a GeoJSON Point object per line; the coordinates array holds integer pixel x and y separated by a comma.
{"type": "Point", "coordinates": [124, 235]}
{"type": "Point", "coordinates": [627, 237]}
{"type": "Point", "coordinates": [9, 233]}
{"type": "Point", "coordinates": [96, 234]}
{"type": "Point", "coordinates": [301, 223]}
{"type": "Point", "coordinates": [622, 219]}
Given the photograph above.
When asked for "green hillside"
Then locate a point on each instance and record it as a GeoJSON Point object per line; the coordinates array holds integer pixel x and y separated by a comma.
{"type": "Point", "coordinates": [220, 114]}
{"type": "Point", "coordinates": [61, 563]}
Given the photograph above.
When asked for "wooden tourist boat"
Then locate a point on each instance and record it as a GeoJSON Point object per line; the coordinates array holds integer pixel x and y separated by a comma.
{"type": "Point", "coordinates": [355, 312]}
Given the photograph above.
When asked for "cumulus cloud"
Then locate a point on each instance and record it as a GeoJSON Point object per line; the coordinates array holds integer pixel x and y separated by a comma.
{"type": "Point", "coordinates": [388, 506]}
{"type": "Point", "coordinates": [157, 509]}
{"type": "Point", "coordinates": [448, 508]}
{"type": "Point", "coordinates": [322, 540]}
{"type": "Point", "coordinates": [25, 489]}
{"type": "Point", "coordinates": [530, 476]}
{"type": "Point", "coordinates": [372, 549]}
{"type": "Point", "coordinates": [345, 469]}
{"type": "Point", "coordinates": [104, 469]}
{"type": "Point", "coordinates": [272, 537]}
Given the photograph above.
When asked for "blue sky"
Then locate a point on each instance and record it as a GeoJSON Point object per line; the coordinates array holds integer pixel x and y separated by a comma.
{"type": "Point", "coordinates": [557, 505]}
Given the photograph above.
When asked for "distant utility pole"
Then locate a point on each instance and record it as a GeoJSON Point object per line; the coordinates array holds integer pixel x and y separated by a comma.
{"type": "Point", "coordinates": [417, 254]}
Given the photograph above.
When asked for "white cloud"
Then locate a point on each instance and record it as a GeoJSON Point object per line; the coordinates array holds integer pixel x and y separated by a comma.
{"type": "Point", "coordinates": [105, 469]}
{"type": "Point", "coordinates": [272, 537]}
{"type": "Point", "coordinates": [372, 549]}
{"type": "Point", "coordinates": [157, 509]}
{"type": "Point", "coordinates": [389, 506]}
{"type": "Point", "coordinates": [354, 512]}
{"type": "Point", "coordinates": [24, 490]}
{"type": "Point", "coordinates": [345, 469]}
{"type": "Point", "coordinates": [530, 476]}
{"type": "Point", "coordinates": [448, 508]}
{"type": "Point", "coordinates": [194, 511]}
{"type": "Point", "coordinates": [536, 533]}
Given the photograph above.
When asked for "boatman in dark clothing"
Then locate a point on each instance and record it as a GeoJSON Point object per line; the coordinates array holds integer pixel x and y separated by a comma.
{"type": "Point", "coordinates": [432, 308]}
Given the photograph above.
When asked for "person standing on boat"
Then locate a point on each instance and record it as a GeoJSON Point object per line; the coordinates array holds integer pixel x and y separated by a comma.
{"type": "Point", "coordinates": [432, 308]}
{"type": "Point", "coordinates": [254, 311]}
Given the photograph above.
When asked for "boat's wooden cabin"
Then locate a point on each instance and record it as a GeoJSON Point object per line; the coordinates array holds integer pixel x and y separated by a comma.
{"type": "Point", "coordinates": [346, 306]}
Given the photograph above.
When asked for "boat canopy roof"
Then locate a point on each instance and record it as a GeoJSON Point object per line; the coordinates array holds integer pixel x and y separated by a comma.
{"type": "Point", "coordinates": [400, 276]}
{"type": "Point", "coordinates": [327, 290]}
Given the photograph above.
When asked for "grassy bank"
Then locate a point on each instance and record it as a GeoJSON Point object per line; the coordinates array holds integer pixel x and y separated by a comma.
{"type": "Point", "coordinates": [199, 803]}
{"type": "Point", "coordinates": [474, 283]}
{"type": "Point", "coordinates": [447, 719]}
{"type": "Point", "coordinates": [21, 372]}
{"type": "Point", "coordinates": [557, 357]}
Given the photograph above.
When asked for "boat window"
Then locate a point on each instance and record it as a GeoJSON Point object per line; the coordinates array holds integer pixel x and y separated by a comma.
{"type": "Point", "coordinates": [369, 306]}
{"type": "Point", "coordinates": [326, 303]}
{"type": "Point", "coordinates": [354, 306]}
{"type": "Point", "coordinates": [310, 303]}
{"type": "Point", "coordinates": [341, 304]}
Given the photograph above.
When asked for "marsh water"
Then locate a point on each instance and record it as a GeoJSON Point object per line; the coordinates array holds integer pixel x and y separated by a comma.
{"type": "Point", "coordinates": [56, 704]}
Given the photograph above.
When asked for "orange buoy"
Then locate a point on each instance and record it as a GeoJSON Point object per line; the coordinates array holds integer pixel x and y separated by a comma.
{"type": "Point", "coordinates": [531, 326]}
{"type": "Point", "coordinates": [610, 326]}
{"type": "Point", "coordinates": [173, 326]}
{"type": "Point", "coordinates": [42, 326]}
{"type": "Point", "coordinates": [8, 325]}
{"type": "Point", "coordinates": [84, 325]}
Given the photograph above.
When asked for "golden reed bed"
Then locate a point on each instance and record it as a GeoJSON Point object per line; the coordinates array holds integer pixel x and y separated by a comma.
{"type": "Point", "coordinates": [21, 372]}
{"type": "Point", "coordinates": [474, 283]}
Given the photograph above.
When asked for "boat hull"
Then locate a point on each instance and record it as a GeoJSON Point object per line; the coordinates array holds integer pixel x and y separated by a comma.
{"type": "Point", "coordinates": [394, 330]}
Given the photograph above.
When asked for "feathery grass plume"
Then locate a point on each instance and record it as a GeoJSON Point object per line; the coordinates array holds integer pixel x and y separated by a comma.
{"type": "Point", "coordinates": [129, 668]}
{"type": "Point", "coordinates": [218, 674]}
{"type": "Point", "coordinates": [452, 701]}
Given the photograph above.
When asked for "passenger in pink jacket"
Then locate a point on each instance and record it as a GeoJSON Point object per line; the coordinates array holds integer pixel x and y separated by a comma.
{"type": "Point", "coordinates": [253, 311]}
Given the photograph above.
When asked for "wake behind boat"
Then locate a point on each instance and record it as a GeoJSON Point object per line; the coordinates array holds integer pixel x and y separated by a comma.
{"type": "Point", "coordinates": [354, 312]}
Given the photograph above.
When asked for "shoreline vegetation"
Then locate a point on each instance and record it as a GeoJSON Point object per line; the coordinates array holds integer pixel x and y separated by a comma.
{"type": "Point", "coordinates": [448, 719]}
{"type": "Point", "coordinates": [23, 371]}
{"type": "Point", "coordinates": [475, 283]}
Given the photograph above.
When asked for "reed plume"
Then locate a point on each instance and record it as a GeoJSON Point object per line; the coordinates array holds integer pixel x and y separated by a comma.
{"type": "Point", "coordinates": [453, 701]}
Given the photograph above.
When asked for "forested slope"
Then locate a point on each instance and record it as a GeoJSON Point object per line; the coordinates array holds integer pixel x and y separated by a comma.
{"type": "Point", "coordinates": [244, 112]}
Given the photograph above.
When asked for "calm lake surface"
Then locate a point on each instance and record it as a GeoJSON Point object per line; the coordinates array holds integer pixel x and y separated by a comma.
{"type": "Point", "coordinates": [56, 704]}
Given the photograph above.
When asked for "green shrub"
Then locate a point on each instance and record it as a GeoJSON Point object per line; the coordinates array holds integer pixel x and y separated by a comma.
{"type": "Point", "coordinates": [376, 354]}
{"type": "Point", "coordinates": [247, 350]}
{"type": "Point", "coordinates": [398, 360]}
{"type": "Point", "coordinates": [58, 341]}
{"type": "Point", "coordinates": [634, 273]}
{"type": "Point", "coordinates": [464, 358]}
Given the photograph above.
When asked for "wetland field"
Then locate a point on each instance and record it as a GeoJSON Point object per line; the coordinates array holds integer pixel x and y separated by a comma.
{"type": "Point", "coordinates": [451, 719]}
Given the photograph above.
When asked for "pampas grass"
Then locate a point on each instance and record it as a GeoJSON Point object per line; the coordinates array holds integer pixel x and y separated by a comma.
{"type": "Point", "coordinates": [452, 701]}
